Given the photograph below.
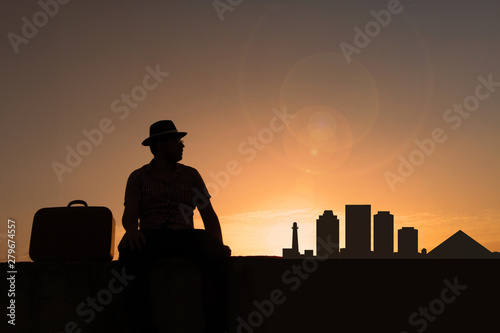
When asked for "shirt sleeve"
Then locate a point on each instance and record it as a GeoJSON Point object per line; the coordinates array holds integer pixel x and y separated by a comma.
{"type": "Point", "coordinates": [200, 185]}
{"type": "Point", "coordinates": [133, 189]}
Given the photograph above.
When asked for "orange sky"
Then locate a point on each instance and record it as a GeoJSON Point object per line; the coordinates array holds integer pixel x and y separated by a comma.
{"type": "Point", "coordinates": [230, 84]}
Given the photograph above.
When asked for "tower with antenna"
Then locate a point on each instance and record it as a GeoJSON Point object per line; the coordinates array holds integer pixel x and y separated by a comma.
{"type": "Point", "coordinates": [295, 238]}
{"type": "Point", "coordinates": [294, 253]}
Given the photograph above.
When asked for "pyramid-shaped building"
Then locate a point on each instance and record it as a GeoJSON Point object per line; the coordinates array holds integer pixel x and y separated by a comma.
{"type": "Point", "coordinates": [460, 246]}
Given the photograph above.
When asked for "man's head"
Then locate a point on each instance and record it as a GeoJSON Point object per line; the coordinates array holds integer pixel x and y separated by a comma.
{"type": "Point", "coordinates": [164, 140]}
{"type": "Point", "coordinates": [168, 146]}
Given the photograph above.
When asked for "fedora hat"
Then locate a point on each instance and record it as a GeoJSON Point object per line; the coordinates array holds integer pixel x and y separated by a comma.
{"type": "Point", "coordinates": [162, 128]}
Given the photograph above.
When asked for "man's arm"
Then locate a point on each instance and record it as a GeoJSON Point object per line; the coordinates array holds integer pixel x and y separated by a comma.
{"type": "Point", "coordinates": [210, 220]}
{"type": "Point", "coordinates": [133, 238]}
{"type": "Point", "coordinates": [211, 223]}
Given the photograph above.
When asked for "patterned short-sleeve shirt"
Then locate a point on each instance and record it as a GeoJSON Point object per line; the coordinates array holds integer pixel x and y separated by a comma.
{"type": "Point", "coordinates": [166, 203]}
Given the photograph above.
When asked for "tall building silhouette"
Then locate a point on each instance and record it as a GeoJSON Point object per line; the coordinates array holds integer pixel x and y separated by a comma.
{"type": "Point", "coordinates": [357, 230]}
{"type": "Point", "coordinates": [327, 227]}
{"type": "Point", "coordinates": [383, 234]}
{"type": "Point", "coordinates": [408, 242]}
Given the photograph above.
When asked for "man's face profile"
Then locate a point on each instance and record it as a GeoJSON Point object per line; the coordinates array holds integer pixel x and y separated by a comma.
{"type": "Point", "coordinates": [170, 147]}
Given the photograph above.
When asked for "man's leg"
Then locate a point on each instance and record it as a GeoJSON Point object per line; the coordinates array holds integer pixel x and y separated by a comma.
{"type": "Point", "coordinates": [215, 289]}
{"type": "Point", "coordinates": [137, 293]}
{"type": "Point", "coordinates": [211, 257]}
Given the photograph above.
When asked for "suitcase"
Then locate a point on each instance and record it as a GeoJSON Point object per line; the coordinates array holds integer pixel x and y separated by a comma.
{"type": "Point", "coordinates": [72, 233]}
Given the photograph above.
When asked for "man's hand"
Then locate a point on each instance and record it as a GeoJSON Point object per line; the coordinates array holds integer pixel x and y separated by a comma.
{"type": "Point", "coordinates": [227, 250]}
{"type": "Point", "coordinates": [133, 239]}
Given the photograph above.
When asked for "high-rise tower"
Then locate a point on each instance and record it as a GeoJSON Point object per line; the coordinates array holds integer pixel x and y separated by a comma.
{"type": "Point", "coordinates": [358, 231]}
{"type": "Point", "coordinates": [407, 242]}
{"type": "Point", "coordinates": [383, 234]}
{"type": "Point", "coordinates": [327, 231]}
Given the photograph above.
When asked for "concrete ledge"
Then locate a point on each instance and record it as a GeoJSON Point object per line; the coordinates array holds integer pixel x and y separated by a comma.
{"type": "Point", "coordinates": [268, 295]}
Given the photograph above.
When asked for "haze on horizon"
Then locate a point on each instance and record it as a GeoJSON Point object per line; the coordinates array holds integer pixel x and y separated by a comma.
{"type": "Point", "coordinates": [281, 123]}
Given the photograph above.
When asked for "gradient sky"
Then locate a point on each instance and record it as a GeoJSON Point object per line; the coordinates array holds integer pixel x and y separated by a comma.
{"type": "Point", "coordinates": [350, 123]}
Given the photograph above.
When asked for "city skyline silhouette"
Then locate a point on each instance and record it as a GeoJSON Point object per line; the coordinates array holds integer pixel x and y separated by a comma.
{"type": "Point", "coordinates": [358, 225]}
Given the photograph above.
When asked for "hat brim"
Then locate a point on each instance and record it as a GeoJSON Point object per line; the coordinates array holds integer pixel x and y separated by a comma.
{"type": "Point", "coordinates": [156, 136]}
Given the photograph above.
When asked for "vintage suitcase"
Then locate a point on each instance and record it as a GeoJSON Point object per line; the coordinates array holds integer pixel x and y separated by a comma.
{"type": "Point", "coordinates": [72, 233]}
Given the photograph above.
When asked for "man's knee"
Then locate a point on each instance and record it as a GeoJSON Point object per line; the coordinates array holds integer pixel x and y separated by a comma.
{"type": "Point", "coordinates": [211, 246]}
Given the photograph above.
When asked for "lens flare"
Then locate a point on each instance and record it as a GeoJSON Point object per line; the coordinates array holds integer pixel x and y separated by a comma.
{"type": "Point", "coordinates": [305, 77]}
{"type": "Point", "coordinates": [326, 79]}
{"type": "Point", "coordinates": [318, 140]}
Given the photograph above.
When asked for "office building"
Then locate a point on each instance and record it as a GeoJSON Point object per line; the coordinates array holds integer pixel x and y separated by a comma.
{"type": "Point", "coordinates": [358, 231]}
{"type": "Point", "coordinates": [327, 231]}
{"type": "Point", "coordinates": [383, 234]}
{"type": "Point", "coordinates": [407, 242]}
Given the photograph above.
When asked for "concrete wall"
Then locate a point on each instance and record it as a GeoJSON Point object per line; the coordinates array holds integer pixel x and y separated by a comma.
{"type": "Point", "coordinates": [269, 295]}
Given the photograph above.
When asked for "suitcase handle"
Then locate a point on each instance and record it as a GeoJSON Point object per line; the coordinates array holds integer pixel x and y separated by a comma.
{"type": "Point", "coordinates": [77, 202]}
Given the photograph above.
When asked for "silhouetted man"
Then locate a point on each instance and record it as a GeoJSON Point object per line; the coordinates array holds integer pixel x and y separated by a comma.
{"type": "Point", "coordinates": [162, 196]}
